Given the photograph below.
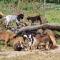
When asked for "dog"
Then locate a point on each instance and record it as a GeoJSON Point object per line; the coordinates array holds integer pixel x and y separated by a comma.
{"type": "Point", "coordinates": [34, 40]}
{"type": "Point", "coordinates": [17, 46]}
{"type": "Point", "coordinates": [48, 38]}
{"type": "Point", "coordinates": [51, 35]}
{"type": "Point", "coordinates": [10, 18]}
{"type": "Point", "coordinates": [4, 36]}
{"type": "Point", "coordinates": [18, 43]}
{"type": "Point", "coordinates": [28, 37]}
{"type": "Point", "coordinates": [41, 41]}
{"type": "Point", "coordinates": [35, 18]}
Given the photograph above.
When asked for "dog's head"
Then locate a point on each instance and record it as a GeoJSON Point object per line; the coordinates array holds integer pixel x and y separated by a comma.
{"type": "Point", "coordinates": [20, 16]}
{"type": "Point", "coordinates": [18, 46]}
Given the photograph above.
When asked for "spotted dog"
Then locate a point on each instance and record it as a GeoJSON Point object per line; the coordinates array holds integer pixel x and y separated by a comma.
{"type": "Point", "coordinates": [10, 18]}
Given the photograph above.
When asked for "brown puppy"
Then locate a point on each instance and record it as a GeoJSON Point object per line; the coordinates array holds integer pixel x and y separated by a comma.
{"type": "Point", "coordinates": [5, 37]}
{"type": "Point", "coordinates": [35, 18]}
{"type": "Point", "coordinates": [18, 43]}
{"type": "Point", "coordinates": [48, 38]}
{"type": "Point", "coordinates": [40, 40]}
{"type": "Point", "coordinates": [52, 38]}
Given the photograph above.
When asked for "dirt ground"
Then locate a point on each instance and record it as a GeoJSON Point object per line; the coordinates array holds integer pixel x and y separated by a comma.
{"type": "Point", "coordinates": [31, 55]}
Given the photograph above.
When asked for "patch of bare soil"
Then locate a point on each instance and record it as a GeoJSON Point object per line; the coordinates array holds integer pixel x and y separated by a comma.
{"type": "Point", "coordinates": [31, 55]}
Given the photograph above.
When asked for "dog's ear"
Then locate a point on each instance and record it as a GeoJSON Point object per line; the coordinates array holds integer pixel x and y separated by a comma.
{"type": "Point", "coordinates": [21, 15]}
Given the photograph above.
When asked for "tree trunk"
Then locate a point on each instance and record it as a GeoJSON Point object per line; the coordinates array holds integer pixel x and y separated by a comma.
{"type": "Point", "coordinates": [42, 26]}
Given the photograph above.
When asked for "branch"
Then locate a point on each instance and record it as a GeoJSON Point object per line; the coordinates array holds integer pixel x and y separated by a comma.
{"type": "Point", "coordinates": [42, 26]}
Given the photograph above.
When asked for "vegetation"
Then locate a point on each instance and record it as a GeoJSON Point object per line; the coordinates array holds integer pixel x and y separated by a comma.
{"type": "Point", "coordinates": [50, 9]}
{"type": "Point", "coordinates": [33, 7]}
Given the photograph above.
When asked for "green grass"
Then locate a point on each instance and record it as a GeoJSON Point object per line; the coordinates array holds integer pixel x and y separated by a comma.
{"type": "Point", "coordinates": [58, 41]}
{"type": "Point", "coordinates": [53, 16]}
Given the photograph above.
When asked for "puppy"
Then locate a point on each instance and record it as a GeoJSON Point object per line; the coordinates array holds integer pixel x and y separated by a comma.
{"type": "Point", "coordinates": [35, 18]}
{"type": "Point", "coordinates": [18, 43]}
{"type": "Point", "coordinates": [10, 18]}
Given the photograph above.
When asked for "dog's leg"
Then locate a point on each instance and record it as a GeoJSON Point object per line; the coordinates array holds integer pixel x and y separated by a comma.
{"type": "Point", "coordinates": [47, 45]}
{"type": "Point", "coordinates": [7, 23]}
{"type": "Point", "coordinates": [17, 22]}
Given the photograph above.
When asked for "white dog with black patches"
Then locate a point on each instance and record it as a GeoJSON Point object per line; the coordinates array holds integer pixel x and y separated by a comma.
{"type": "Point", "coordinates": [10, 18]}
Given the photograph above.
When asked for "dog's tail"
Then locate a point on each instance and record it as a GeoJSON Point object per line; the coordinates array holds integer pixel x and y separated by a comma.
{"type": "Point", "coordinates": [1, 15]}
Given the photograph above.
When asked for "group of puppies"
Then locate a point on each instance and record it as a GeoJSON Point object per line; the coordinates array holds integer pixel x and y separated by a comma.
{"type": "Point", "coordinates": [18, 17]}
{"type": "Point", "coordinates": [36, 40]}
{"type": "Point", "coordinates": [28, 40]}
